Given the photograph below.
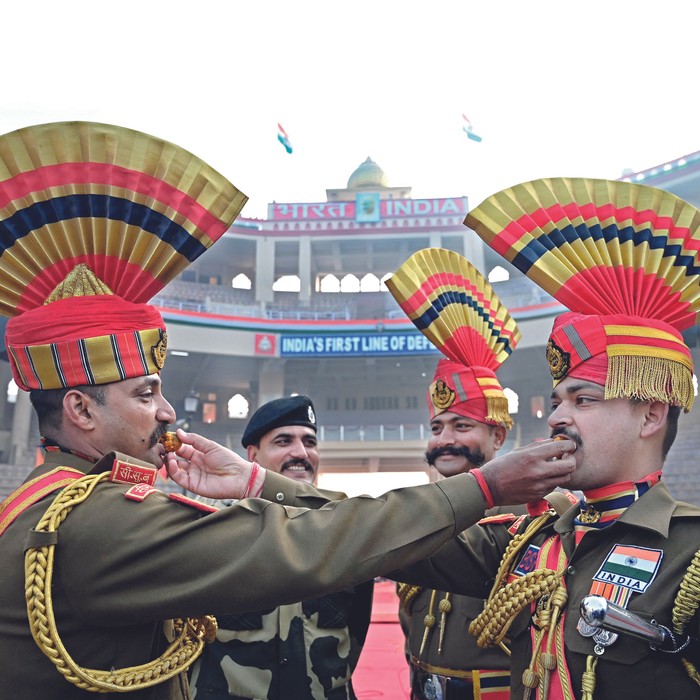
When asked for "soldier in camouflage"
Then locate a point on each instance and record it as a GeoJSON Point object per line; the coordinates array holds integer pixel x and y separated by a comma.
{"type": "Point", "coordinates": [304, 650]}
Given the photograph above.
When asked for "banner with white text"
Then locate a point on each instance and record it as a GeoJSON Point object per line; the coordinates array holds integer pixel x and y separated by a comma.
{"type": "Point", "coordinates": [355, 345]}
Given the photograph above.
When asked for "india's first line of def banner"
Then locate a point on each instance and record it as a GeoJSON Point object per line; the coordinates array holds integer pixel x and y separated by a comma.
{"type": "Point", "coordinates": [355, 344]}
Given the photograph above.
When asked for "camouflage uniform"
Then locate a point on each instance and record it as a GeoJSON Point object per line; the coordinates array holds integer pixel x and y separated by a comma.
{"type": "Point", "coordinates": [293, 652]}
{"type": "Point", "coordinates": [300, 651]}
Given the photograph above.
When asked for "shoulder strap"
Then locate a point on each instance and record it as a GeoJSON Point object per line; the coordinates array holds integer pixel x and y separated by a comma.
{"type": "Point", "coordinates": [33, 491]}
{"type": "Point", "coordinates": [685, 607]}
{"type": "Point", "coordinates": [190, 633]}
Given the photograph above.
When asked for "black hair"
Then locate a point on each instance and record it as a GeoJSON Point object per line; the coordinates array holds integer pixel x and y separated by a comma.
{"type": "Point", "coordinates": [671, 429]}
{"type": "Point", "coordinates": [48, 404]}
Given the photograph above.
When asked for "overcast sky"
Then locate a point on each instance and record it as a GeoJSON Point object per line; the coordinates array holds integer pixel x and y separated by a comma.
{"type": "Point", "coordinates": [553, 87]}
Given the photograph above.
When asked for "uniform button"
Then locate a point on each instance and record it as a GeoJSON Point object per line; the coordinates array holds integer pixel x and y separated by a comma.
{"type": "Point", "coordinates": [284, 662]}
{"type": "Point", "coordinates": [280, 496]}
{"type": "Point", "coordinates": [571, 570]}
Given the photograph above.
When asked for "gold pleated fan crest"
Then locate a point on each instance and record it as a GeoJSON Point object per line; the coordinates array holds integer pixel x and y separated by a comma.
{"type": "Point", "coordinates": [455, 307]}
{"type": "Point", "coordinates": [600, 246]}
{"type": "Point", "coordinates": [135, 209]}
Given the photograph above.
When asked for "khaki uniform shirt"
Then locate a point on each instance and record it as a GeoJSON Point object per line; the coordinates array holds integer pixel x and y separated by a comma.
{"type": "Point", "coordinates": [123, 567]}
{"type": "Point", "coordinates": [629, 669]}
{"type": "Point", "coordinates": [449, 650]}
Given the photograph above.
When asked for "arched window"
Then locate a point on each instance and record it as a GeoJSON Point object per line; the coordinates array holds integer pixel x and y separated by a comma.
{"type": "Point", "coordinates": [350, 284]}
{"type": "Point", "coordinates": [241, 281]}
{"type": "Point", "coordinates": [287, 283]}
{"type": "Point", "coordinates": [238, 406]}
{"type": "Point", "coordinates": [498, 274]}
{"type": "Point", "coordinates": [12, 390]}
{"type": "Point", "coordinates": [513, 401]}
{"type": "Point", "coordinates": [369, 283]}
{"type": "Point", "coordinates": [330, 283]}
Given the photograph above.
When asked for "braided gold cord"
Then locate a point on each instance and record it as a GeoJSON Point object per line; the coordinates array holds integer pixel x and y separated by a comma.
{"type": "Point", "coordinates": [514, 547]}
{"type": "Point", "coordinates": [686, 605]}
{"type": "Point", "coordinates": [407, 594]}
{"type": "Point", "coordinates": [501, 609]}
{"type": "Point", "coordinates": [190, 633]}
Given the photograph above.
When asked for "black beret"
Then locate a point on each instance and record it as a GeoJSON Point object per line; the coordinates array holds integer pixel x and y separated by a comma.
{"type": "Point", "coordinates": [291, 410]}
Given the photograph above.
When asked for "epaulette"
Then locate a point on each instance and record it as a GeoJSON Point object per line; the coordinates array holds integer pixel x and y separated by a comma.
{"type": "Point", "coordinates": [498, 518]}
{"type": "Point", "coordinates": [407, 594]}
{"type": "Point", "coordinates": [139, 492]}
{"type": "Point", "coordinates": [186, 500]}
{"type": "Point", "coordinates": [513, 529]}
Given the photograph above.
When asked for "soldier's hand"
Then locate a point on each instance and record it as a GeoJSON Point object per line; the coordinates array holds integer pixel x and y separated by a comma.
{"type": "Point", "coordinates": [528, 473]}
{"type": "Point", "coordinates": [211, 470]}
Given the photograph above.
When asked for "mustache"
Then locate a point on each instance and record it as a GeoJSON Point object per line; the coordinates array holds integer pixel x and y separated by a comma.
{"type": "Point", "coordinates": [569, 434]}
{"type": "Point", "coordinates": [297, 462]}
{"type": "Point", "coordinates": [476, 457]}
{"type": "Point", "coordinates": [158, 434]}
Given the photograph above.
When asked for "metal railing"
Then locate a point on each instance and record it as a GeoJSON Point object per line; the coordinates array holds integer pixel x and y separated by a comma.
{"type": "Point", "coordinates": [369, 433]}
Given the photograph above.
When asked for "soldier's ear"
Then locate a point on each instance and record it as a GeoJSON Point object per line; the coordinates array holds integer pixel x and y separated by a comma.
{"type": "Point", "coordinates": [499, 436]}
{"type": "Point", "coordinates": [654, 418]}
{"type": "Point", "coordinates": [78, 409]}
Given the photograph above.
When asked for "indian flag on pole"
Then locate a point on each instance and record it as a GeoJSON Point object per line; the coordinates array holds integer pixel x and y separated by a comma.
{"type": "Point", "coordinates": [469, 129]}
{"type": "Point", "coordinates": [630, 567]}
{"type": "Point", "coordinates": [283, 138]}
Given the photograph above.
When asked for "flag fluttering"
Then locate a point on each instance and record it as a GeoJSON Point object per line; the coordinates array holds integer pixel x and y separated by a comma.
{"type": "Point", "coordinates": [469, 129]}
{"type": "Point", "coordinates": [284, 139]}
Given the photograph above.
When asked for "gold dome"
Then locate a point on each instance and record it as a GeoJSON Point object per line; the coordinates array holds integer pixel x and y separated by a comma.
{"type": "Point", "coordinates": [368, 174]}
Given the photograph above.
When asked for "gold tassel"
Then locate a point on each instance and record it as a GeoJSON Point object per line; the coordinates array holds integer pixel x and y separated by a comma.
{"type": "Point", "coordinates": [429, 622]}
{"type": "Point", "coordinates": [649, 378]}
{"type": "Point", "coordinates": [497, 410]}
{"type": "Point", "coordinates": [445, 607]}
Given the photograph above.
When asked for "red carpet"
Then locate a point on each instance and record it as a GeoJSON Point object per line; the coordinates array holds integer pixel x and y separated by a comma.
{"type": "Point", "coordinates": [382, 671]}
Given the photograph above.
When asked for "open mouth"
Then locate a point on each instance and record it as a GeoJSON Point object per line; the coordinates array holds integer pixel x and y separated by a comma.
{"type": "Point", "coordinates": [296, 468]}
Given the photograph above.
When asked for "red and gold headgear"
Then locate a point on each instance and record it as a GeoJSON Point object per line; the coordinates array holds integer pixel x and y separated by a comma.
{"type": "Point", "coordinates": [624, 258]}
{"type": "Point", "coordinates": [94, 221]}
{"type": "Point", "coordinates": [453, 305]}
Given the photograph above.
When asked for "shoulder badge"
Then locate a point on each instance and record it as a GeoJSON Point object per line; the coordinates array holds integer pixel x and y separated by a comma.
{"type": "Point", "coordinates": [513, 529]}
{"type": "Point", "coordinates": [127, 473]}
{"type": "Point", "coordinates": [139, 492]}
{"type": "Point", "coordinates": [186, 500]}
{"type": "Point", "coordinates": [498, 518]}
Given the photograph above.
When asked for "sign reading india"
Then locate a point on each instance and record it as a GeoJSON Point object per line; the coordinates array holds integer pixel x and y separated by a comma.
{"type": "Point", "coordinates": [353, 345]}
{"type": "Point", "coordinates": [388, 209]}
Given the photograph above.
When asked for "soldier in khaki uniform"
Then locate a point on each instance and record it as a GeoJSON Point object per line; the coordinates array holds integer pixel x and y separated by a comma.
{"type": "Point", "coordinates": [469, 421]}
{"type": "Point", "coordinates": [307, 649]}
{"type": "Point", "coordinates": [106, 582]}
{"type": "Point", "coordinates": [624, 258]}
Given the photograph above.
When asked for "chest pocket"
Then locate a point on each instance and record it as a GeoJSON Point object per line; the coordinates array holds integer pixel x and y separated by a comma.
{"type": "Point", "coordinates": [333, 610]}
{"type": "Point", "coordinates": [240, 622]}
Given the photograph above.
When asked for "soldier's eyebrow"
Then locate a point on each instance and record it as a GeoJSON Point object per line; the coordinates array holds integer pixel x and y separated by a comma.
{"type": "Point", "coordinates": [575, 388]}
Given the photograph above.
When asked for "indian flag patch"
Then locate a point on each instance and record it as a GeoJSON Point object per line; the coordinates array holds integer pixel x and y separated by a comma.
{"type": "Point", "coordinates": [630, 567]}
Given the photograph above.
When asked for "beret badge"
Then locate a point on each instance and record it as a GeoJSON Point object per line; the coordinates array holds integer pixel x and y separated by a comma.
{"type": "Point", "coordinates": [558, 360]}
{"type": "Point", "coordinates": [442, 396]}
{"type": "Point", "coordinates": [159, 350]}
